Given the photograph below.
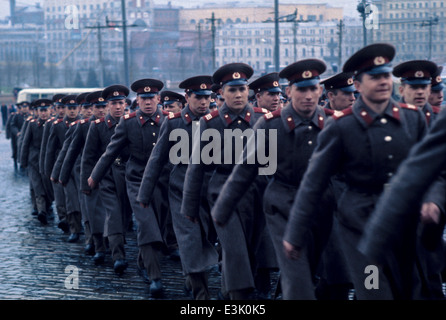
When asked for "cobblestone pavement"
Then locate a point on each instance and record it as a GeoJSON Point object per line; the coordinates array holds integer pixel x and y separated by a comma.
{"type": "Point", "coordinates": [38, 263]}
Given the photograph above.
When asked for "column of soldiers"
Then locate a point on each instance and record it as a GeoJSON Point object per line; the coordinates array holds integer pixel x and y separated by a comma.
{"type": "Point", "coordinates": [306, 213]}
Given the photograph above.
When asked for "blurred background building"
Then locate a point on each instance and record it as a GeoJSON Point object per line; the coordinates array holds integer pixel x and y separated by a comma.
{"type": "Point", "coordinates": [91, 43]}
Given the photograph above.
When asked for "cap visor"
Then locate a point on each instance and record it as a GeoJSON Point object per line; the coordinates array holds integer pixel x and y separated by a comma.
{"type": "Point", "coordinates": [276, 89]}
{"type": "Point", "coordinates": [147, 95]}
{"type": "Point", "coordinates": [379, 70]}
{"type": "Point", "coordinates": [306, 83]}
{"type": "Point", "coordinates": [203, 92]}
{"type": "Point", "coordinates": [238, 82]}
{"type": "Point", "coordinates": [116, 98]}
{"type": "Point", "coordinates": [348, 89]}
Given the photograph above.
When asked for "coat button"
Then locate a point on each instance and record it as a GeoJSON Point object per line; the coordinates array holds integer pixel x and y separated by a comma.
{"type": "Point", "coordinates": [154, 134]}
{"type": "Point", "coordinates": [310, 128]}
{"type": "Point", "coordinates": [387, 138]}
{"type": "Point", "coordinates": [240, 121]}
{"type": "Point", "coordinates": [383, 120]}
{"type": "Point", "coordinates": [310, 142]}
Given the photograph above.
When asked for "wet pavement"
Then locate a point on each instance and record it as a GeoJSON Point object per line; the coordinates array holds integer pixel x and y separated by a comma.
{"type": "Point", "coordinates": [37, 262]}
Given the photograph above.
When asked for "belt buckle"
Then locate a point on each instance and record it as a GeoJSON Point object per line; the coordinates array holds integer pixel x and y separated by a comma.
{"type": "Point", "coordinates": [118, 161]}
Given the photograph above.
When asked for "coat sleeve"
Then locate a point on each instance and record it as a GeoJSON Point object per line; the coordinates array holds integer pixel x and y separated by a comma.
{"type": "Point", "coordinates": [74, 149]}
{"type": "Point", "coordinates": [24, 153]}
{"type": "Point", "coordinates": [50, 155]}
{"type": "Point", "coordinates": [61, 156]}
{"type": "Point", "coordinates": [90, 155]}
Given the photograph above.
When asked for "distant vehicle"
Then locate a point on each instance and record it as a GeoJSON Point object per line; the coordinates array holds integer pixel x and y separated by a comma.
{"type": "Point", "coordinates": [30, 94]}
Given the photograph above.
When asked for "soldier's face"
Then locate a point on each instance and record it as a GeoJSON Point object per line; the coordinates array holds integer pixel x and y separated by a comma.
{"type": "Point", "coordinates": [198, 104]}
{"type": "Point", "coordinates": [25, 109]}
{"type": "Point", "coordinates": [236, 97]}
{"type": "Point", "coordinates": [415, 94]}
{"type": "Point", "coordinates": [61, 110]}
{"type": "Point", "coordinates": [87, 112]}
{"type": "Point", "coordinates": [72, 111]}
{"type": "Point", "coordinates": [268, 100]}
{"type": "Point", "coordinates": [44, 114]}
{"type": "Point", "coordinates": [173, 107]}
{"type": "Point", "coordinates": [148, 105]}
{"type": "Point", "coordinates": [436, 98]}
{"type": "Point", "coordinates": [341, 100]}
{"type": "Point", "coordinates": [116, 108]}
{"type": "Point", "coordinates": [375, 88]}
{"type": "Point", "coordinates": [99, 111]}
{"type": "Point", "coordinates": [304, 100]}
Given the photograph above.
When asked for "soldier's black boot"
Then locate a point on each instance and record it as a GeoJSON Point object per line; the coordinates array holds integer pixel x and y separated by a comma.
{"type": "Point", "coordinates": [41, 216]}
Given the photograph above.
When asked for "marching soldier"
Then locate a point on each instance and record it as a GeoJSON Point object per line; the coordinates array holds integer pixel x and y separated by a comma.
{"type": "Point", "coordinates": [267, 92]}
{"type": "Point", "coordinates": [415, 86]}
{"type": "Point", "coordinates": [30, 157]}
{"type": "Point", "coordinates": [15, 125]}
{"type": "Point", "coordinates": [55, 192]}
{"type": "Point", "coordinates": [70, 168]}
{"type": "Point", "coordinates": [112, 189]}
{"type": "Point", "coordinates": [172, 101]}
{"type": "Point", "coordinates": [139, 131]}
{"type": "Point", "coordinates": [236, 237]}
{"type": "Point", "coordinates": [55, 144]}
{"type": "Point", "coordinates": [340, 91]}
{"type": "Point", "coordinates": [197, 251]}
{"type": "Point", "coordinates": [297, 127]}
{"type": "Point", "coordinates": [364, 144]}
{"type": "Point", "coordinates": [437, 86]}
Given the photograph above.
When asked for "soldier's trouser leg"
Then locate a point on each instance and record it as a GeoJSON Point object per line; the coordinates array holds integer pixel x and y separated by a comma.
{"type": "Point", "coordinates": [74, 220]}
{"type": "Point", "coordinates": [150, 258]}
{"type": "Point", "coordinates": [88, 235]}
{"type": "Point", "coordinates": [59, 199]}
{"type": "Point", "coordinates": [99, 243]}
{"type": "Point", "coordinates": [116, 243]}
{"type": "Point", "coordinates": [41, 204]}
{"type": "Point", "coordinates": [199, 285]}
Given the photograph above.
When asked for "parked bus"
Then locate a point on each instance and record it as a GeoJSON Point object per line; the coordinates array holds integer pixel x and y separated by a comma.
{"type": "Point", "coordinates": [30, 94]}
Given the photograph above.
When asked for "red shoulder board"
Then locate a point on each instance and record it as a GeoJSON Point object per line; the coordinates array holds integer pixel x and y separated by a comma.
{"type": "Point", "coordinates": [130, 115]}
{"type": "Point", "coordinates": [260, 110]}
{"type": "Point", "coordinates": [436, 109]}
{"type": "Point", "coordinates": [84, 121]}
{"type": "Point", "coordinates": [328, 112]}
{"type": "Point", "coordinates": [211, 115]}
{"type": "Point", "coordinates": [174, 115]}
{"type": "Point", "coordinates": [99, 120]}
{"type": "Point", "coordinates": [166, 113]}
{"type": "Point", "coordinates": [74, 123]}
{"type": "Point", "coordinates": [408, 106]}
{"type": "Point", "coordinates": [272, 115]}
{"type": "Point", "coordinates": [33, 120]}
{"type": "Point", "coordinates": [58, 121]}
{"type": "Point", "coordinates": [339, 114]}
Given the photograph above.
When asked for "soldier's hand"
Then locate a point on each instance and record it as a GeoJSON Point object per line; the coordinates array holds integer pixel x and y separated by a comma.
{"type": "Point", "coordinates": [53, 180]}
{"type": "Point", "coordinates": [193, 219]}
{"type": "Point", "coordinates": [144, 205]}
{"type": "Point", "coordinates": [87, 192]}
{"type": "Point", "coordinates": [219, 223]}
{"type": "Point", "coordinates": [63, 184]}
{"type": "Point", "coordinates": [430, 213]}
{"type": "Point", "coordinates": [291, 251]}
{"type": "Point", "coordinates": [91, 183]}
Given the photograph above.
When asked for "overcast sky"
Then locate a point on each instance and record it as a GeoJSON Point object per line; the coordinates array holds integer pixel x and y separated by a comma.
{"type": "Point", "coordinates": [348, 5]}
